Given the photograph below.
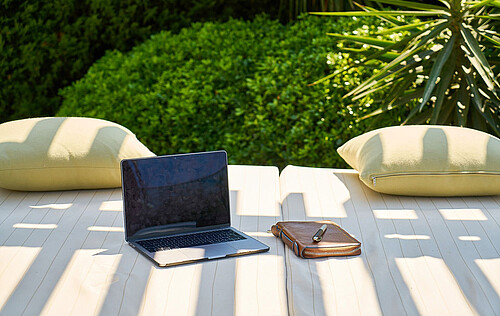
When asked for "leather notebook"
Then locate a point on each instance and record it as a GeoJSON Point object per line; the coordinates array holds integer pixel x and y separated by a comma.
{"type": "Point", "coordinates": [298, 235]}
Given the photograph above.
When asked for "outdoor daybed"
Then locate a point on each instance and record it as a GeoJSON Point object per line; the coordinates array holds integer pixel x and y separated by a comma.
{"type": "Point", "coordinates": [63, 253]}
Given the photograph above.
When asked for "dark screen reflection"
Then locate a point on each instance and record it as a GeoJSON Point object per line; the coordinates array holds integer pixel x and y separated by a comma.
{"type": "Point", "coordinates": [173, 193]}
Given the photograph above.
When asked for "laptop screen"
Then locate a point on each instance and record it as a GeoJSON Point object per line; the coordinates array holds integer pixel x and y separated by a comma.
{"type": "Point", "coordinates": [172, 194]}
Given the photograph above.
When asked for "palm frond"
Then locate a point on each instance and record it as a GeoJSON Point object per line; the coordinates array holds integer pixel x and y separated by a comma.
{"type": "Point", "coordinates": [441, 60]}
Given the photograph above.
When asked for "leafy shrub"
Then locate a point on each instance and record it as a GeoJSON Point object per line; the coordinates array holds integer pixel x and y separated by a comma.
{"type": "Point", "coordinates": [239, 86]}
{"type": "Point", "coordinates": [45, 45]}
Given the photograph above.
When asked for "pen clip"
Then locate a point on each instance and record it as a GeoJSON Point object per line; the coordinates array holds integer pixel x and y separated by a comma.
{"type": "Point", "coordinates": [319, 234]}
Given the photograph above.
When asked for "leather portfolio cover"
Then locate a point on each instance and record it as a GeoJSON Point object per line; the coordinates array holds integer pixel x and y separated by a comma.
{"type": "Point", "coordinates": [298, 236]}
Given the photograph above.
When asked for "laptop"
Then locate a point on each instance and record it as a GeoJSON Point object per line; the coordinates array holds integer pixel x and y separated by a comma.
{"type": "Point", "coordinates": [176, 209]}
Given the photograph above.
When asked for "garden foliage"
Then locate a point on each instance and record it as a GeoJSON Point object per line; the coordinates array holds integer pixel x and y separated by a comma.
{"type": "Point", "coordinates": [239, 86]}
{"type": "Point", "coordinates": [45, 45]}
{"type": "Point", "coordinates": [449, 62]}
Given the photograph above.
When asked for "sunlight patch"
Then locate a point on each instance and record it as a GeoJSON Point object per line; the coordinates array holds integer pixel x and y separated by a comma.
{"type": "Point", "coordinates": [35, 226]}
{"type": "Point", "coordinates": [463, 214]}
{"type": "Point", "coordinates": [395, 214]}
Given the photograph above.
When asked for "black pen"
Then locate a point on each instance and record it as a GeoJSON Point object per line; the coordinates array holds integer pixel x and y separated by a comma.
{"type": "Point", "coordinates": [319, 234]}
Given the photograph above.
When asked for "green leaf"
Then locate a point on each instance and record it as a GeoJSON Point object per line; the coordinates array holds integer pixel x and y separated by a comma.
{"type": "Point", "coordinates": [406, 54]}
{"type": "Point", "coordinates": [363, 40]}
{"type": "Point", "coordinates": [407, 27]}
{"type": "Point", "coordinates": [335, 73]}
{"type": "Point", "coordinates": [478, 59]}
{"type": "Point", "coordinates": [397, 45]}
{"type": "Point", "coordinates": [412, 113]}
{"type": "Point", "coordinates": [365, 93]}
{"type": "Point", "coordinates": [491, 16]}
{"type": "Point", "coordinates": [374, 113]}
{"type": "Point", "coordinates": [382, 74]}
{"type": "Point", "coordinates": [491, 96]}
{"type": "Point", "coordinates": [389, 19]}
{"type": "Point", "coordinates": [474, 92]}
{"type": "Point", "coordinates": [463, 102]}
{"type": "Point", "coordinates": [408, 96]}
{"type": "Point", "coordinates": [441, 59]}
{"type": "Point", "coordinates": [377, 54]}
{"type": "Point", "coordinates": [374, 56]}
{"type": "Point", "coordinates": [421, 118]}
{"type": "Point", "coordinates": [446, 3]}
{"type": "Point", "coordinates": [445, 77]}
{"type": "Point", "coordinates": [400, 90]}
{"type": "Point", "coordinates": [477, 4]}
{"type": "Point", "coordinates": [397, 93]}
{"type": "Point", "coordinates": [387, 57]}
{"type": "Point", "coordinates": [491, 39]}
{"type": "Point", "coordinates": [413, 4]}
{"type": "Point", "coordinates": [434, 33]}
{"type": "Point", "coordinates": [403, 70]}
{"type": "Point", "coordinates": [446, 112]}
{"type": "Point", "coordinates": [382, 13]}
{"type": "Point", "coordinates": [483, 110]}
{"type": "Point", "coordinates": [477, 121]}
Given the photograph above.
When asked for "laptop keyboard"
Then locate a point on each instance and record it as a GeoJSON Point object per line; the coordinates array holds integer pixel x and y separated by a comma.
{"type": "Point", "coordinates": [190, 240]}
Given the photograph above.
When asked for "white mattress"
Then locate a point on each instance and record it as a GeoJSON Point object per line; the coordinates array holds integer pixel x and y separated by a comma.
{"type": "Point", "coordinates": [63, 253]}
{"type": "Point", "coordinates": [420, 256]}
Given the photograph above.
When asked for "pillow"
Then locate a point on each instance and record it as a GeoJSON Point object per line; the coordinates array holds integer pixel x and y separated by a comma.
{"type": "Point", "coordinates": [64, 153]}
{"type": "Point", "coordinates": [426, 160]}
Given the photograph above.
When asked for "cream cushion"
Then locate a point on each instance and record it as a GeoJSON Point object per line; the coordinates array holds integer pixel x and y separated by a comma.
{"type": "Point", "coordinates": [64, 153]}
{"type": "Point", "coordinates": [426, 160]}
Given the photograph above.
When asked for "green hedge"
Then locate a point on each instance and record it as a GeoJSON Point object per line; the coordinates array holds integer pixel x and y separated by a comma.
{"type": "Point", "coordinates": [239, 86]}
{"type": "Point", "coordinates": [45, 45]}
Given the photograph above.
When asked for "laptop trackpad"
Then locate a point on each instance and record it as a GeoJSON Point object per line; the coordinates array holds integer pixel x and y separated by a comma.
{"type": "Point", "coordinates": [208, 251]}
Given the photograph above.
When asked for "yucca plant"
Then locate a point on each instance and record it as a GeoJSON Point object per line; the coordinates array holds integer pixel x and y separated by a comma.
{"type": "Point", "coordinates": [446, 64]}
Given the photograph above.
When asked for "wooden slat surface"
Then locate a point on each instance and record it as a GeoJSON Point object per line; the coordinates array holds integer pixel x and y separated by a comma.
{"type": "Point", "coordinates": [63, 253]}
{"type": "Point", "coordinates": [420, 256]}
